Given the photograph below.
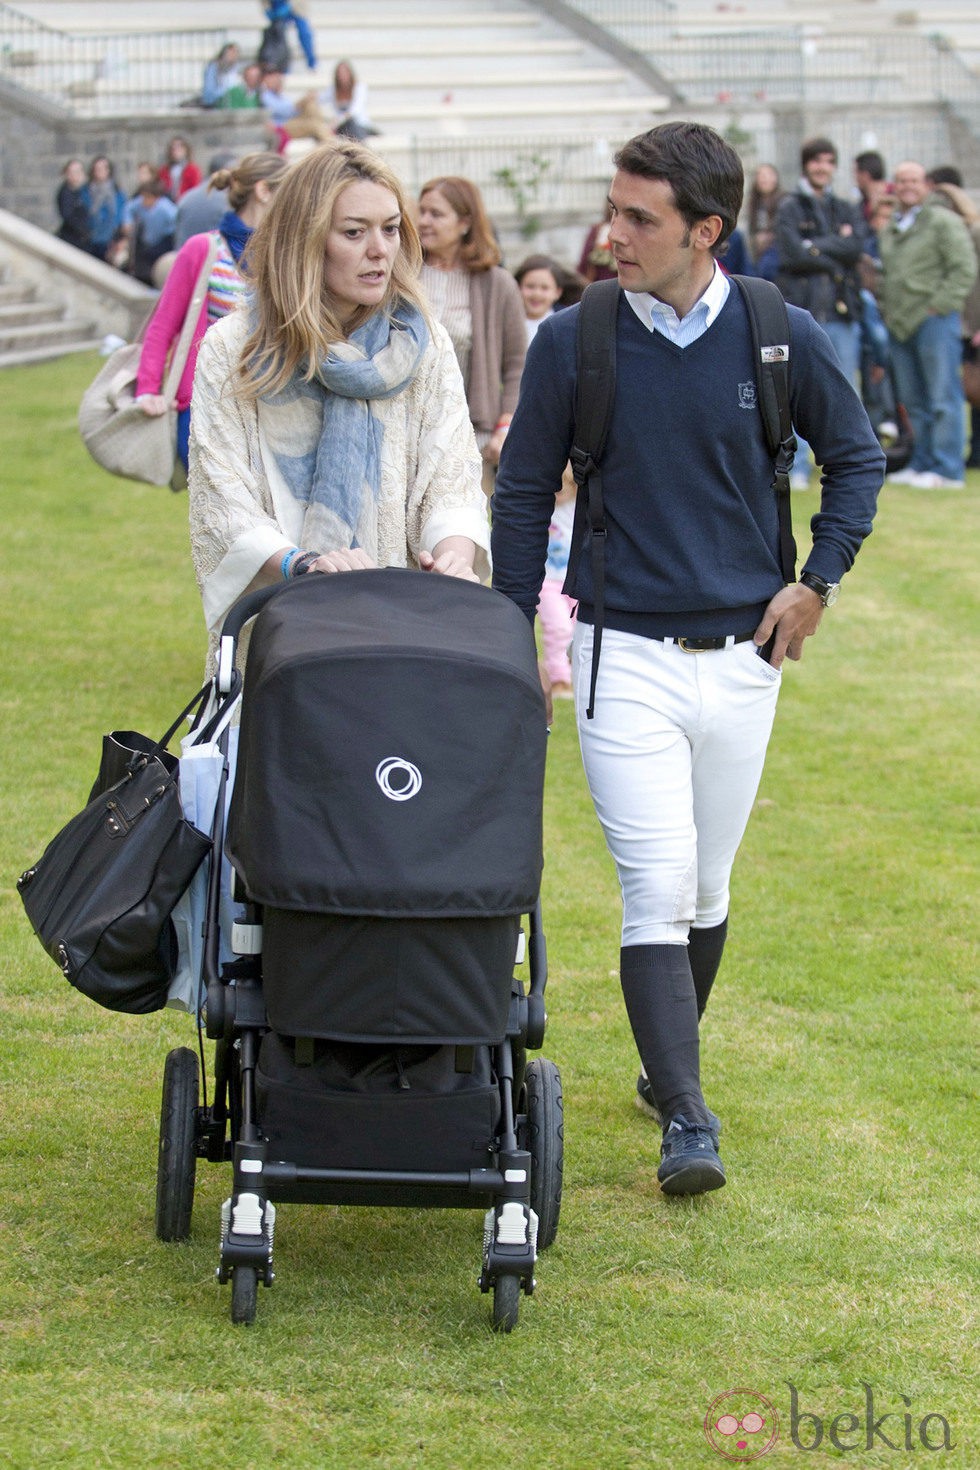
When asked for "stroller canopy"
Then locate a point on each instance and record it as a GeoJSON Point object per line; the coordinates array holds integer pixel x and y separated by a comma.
{"type": "Point", "coordinates": [392, 750]}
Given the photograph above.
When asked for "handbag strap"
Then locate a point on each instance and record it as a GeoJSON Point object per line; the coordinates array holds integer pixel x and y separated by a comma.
{"type": "Point", "coordinates": [182, 350]}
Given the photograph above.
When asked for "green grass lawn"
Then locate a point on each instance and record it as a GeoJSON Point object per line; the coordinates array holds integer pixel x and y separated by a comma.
{"type": "Point", "coordinates": [839, 1048]}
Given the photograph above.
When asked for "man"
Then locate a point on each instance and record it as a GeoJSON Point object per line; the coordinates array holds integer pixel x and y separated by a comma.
{"type": "Point", "coordinates": [245, 93]}
{"type": "Point", "coordinates": [272, 97]}
{"type": "Point", "coordinates": [202, 207]}
{"type": "Point", "coordinates": [928, 269]}
{"type": "Point", "coordinates": [687, 686]}
{"type": "Point", "coordinates": [870, 179]}
{"type": "Point", "coordinates": [820, 240]}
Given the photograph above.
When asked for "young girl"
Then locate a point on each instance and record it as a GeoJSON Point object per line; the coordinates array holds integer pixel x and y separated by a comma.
{"type": "Point", "coordinates": [555, 609]}
{"type": "Point", "coordinates": [542, 282]}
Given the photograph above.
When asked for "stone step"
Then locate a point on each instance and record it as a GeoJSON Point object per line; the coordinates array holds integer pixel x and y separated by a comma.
{"type": "Point", "coordinates": [20, 357]}
{"type": "Point", "coordinates": [13, 293]}
{"type": "Point", "coordinates": [48, 338]}
{"type": "Point", "coordinates": [27, 313]}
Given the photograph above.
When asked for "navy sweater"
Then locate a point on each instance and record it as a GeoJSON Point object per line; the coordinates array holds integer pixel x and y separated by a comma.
{"type": "Point", "coordinates": [692, 545]}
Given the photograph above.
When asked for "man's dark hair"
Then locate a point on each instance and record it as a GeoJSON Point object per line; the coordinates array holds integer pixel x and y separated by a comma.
{"type": "Point", "coordinates": [872, 164]}
{"type": "Point", "coordinates": [813, 147]}
{"type": "Point", "coordinates": [945, 173]}
{"type": "Point", "coordinates": [704, 172]}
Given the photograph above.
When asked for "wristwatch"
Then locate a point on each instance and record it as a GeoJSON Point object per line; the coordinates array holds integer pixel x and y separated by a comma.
{"type": "Point", "coordinates": [828, 592]}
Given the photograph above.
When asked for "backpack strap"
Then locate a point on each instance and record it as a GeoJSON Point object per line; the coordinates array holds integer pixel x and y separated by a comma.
{"type": "Point", "coordinates": [595, 390]}
{"type": "Point", "coordinates": [769, 326]}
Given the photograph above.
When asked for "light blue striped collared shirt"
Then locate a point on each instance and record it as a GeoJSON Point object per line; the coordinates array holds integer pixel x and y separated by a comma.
{"type": "Point", "coordinates": [657, 316]}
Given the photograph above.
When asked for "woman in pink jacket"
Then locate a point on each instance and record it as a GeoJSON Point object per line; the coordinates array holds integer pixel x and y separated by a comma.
{"type": "Point", "coordinates": [250, 185]}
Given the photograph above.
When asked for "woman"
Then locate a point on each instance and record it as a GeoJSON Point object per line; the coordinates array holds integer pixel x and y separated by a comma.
{"type": "Point", "coordinates": [179, 172]}
{"type": "Point", "coordinates": [330, 430]}
{"type": "Point", "coordinates": [106, 204]}
{"type": "Point", "coordinates": [478, 303]}
{"type": "Point", "coordinates": [220, 75]}
{"type": "Point", "coordinates": [71, 205]}
{"type": "Point", "coordinates": [250, 185]}
{"type": "Point", "coordinates": [345, 104]}
{"type": "Point", "coordinates": [763, 201]}
{"type": "Point", "coordinates": [597, 262]}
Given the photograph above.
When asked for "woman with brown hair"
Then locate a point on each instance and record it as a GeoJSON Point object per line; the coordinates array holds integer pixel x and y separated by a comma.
{"type": "Point", "coordinates": [479, 304]}
{"type": "Point", "coordinates": [330, 430]}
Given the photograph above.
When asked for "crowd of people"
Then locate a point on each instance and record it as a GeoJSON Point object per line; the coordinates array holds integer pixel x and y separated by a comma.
{"type": "Point", "coordinates": [390, 375]}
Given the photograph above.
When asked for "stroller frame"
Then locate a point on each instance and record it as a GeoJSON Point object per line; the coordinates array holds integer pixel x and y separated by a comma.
{"type": "Point", "coordinates": [519, 1190]}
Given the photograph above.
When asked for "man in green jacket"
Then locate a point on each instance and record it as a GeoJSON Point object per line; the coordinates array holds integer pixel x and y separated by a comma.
{"type": "Point", "coordinates": [928, 269]}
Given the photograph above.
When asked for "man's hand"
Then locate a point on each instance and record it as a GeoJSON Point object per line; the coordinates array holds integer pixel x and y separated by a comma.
{"type": "Point", "coordinates": [794, 615]}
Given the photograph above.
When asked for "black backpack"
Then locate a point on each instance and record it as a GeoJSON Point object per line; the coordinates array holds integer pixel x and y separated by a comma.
{"type": "Point", "coordinates": [594, 395]}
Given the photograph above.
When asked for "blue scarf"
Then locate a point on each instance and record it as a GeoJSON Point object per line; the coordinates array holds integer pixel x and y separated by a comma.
{"type": "Point", "coordinates": [236, 232]}
{"type": "Point", "coordinates": [324, 434]}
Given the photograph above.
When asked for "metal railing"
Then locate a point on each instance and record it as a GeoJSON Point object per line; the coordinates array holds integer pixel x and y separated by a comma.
{"type": "Point", "coordinates": [521, 177]}
{"type": "Point", "coordinates": [105, 75]}
{"type": "Point", "coordinates": [792, 64]}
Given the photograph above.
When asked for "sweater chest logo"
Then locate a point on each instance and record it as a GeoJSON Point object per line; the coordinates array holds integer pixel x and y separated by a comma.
{"type": "Point", "coordinates": [747, 395]}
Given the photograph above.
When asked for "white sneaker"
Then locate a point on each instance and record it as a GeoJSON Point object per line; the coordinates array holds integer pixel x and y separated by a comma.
{"type": "Point", "coordinates": [905, 477]}
{"type": "Point", "coordinates": [927, 480]}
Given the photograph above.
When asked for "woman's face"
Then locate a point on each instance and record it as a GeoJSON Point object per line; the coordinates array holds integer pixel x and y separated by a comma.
{"type": "Point", "coordinates": [74, 173]}
{"type": "Point", "coordinates": [177, 151]}
{"type": "Point", "coordinates": [441, 229]}
{"type": "Point", "coordinates": [343, 79]}
{"type": "Point", "coordinates": [362, 244]}
{"type": "Point", "coordinates": [540, 291]}
{"type": "Point", "coordinates": [100, 170]}
{"type": "Point", "coordinates": [766, 179]}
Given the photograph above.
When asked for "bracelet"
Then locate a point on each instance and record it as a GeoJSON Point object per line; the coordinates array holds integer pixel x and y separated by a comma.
{"type": "Point", "coordinates": [303, 562]}
{"type": "Point", "coordinates": [501, 424]}
{"type": "Point", "coordinates": [287, 562]}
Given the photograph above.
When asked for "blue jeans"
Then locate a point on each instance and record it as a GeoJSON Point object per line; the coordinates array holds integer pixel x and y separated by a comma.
{"type": "Point", "coordinates": [304, 34]}
{"type": "Point", "coordinates": [927, 381]}
{"type": "Point", "coordinates": [845, 338]}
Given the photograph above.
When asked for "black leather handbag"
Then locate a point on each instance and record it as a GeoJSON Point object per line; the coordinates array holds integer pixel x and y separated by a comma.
{"type": "Point", "coordinates": [101, 895]}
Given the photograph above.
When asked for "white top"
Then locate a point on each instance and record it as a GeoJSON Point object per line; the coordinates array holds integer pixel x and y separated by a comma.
{"type": "Point", "coordinates": [242, 512]}
{"type": "Point", "coordinates": [657, 316]}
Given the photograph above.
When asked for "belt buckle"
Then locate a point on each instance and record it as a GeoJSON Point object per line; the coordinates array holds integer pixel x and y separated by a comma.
{"type": "Point", "coordinates": [684, 644]}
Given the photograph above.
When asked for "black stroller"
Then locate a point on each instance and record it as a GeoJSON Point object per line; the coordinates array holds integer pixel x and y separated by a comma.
{"type": "Point", "coordinates": [385, 835]}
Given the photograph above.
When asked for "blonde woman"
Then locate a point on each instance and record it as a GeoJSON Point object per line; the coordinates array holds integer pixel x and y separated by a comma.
{"type": "Point", "coordinates": [250, 186]}
{"type": "Point", "coordinates": [479, 304]}
{"type": "Point", "coordinates": [330, 430]}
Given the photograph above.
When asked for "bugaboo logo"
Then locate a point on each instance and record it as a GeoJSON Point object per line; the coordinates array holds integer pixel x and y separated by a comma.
{"type": "Point", "coordinates": [398, 778]}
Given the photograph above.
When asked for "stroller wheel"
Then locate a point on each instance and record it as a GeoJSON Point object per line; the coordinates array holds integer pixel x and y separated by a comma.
{"type": "Point", "coordinates": [545, 1143]}
{"type": "Point", "coordinates": [244, 1291]}
{"type": "Point", "coordinates": [177, 1159]}
{"type": "Point", "coordinates": [506, 1303]}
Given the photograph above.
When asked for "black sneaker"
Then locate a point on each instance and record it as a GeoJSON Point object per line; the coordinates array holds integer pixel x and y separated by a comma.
{"type": "Point", "coordinates": [647, 1103]}
{"type": "Point", "coordinates": [689, 1162]}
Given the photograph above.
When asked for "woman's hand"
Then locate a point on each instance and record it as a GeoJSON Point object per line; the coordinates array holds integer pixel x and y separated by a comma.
{"type": "Point", "coordinates": [350, 559]}
{"type": "Point", "coordinates": [452, 557]}
{"type": "Point", "coordinates": [154, 405]}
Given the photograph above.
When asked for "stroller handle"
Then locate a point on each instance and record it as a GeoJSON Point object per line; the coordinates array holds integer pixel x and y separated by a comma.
{"type": "Point", "coordinates": [240, 613]}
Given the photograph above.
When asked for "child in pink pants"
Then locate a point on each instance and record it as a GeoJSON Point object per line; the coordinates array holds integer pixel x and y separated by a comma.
{"type": "Point", "coordinates": [555, 610]}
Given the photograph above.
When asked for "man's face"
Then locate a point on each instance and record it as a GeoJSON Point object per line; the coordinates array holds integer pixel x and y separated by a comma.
{"type": "Point", "coordinates": [819, 171]}
{"type": "Point", "coordinates": [911, 184]}
{"type": "Point", "coordinates": [649, 237]}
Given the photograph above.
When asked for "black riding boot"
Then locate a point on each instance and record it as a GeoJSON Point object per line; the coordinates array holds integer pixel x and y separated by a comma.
{"type": "Point", "coordinates": [704, 951]}
{"type": "Point", "coordinates": [662, 1006]}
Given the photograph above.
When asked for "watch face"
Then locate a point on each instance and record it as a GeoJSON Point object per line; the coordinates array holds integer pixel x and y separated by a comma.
{"type": "Point", "coordinates": [831, 595]}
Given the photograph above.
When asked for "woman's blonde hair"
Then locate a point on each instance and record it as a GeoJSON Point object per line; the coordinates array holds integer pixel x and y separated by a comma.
{"type": "Point", "coordinates": [240, 180]}
{"type": "Point", "coordinates": [478, 250]}
{"type": "Point", "coordinates": [295, 319]}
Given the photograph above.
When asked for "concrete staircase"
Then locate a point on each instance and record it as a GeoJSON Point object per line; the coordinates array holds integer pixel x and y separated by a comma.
{"type": "Point", "coordinates": [32, 331]}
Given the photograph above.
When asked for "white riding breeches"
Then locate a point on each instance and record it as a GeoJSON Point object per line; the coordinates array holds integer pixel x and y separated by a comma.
{"type": "Point", "coordinates": [673, 758]}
